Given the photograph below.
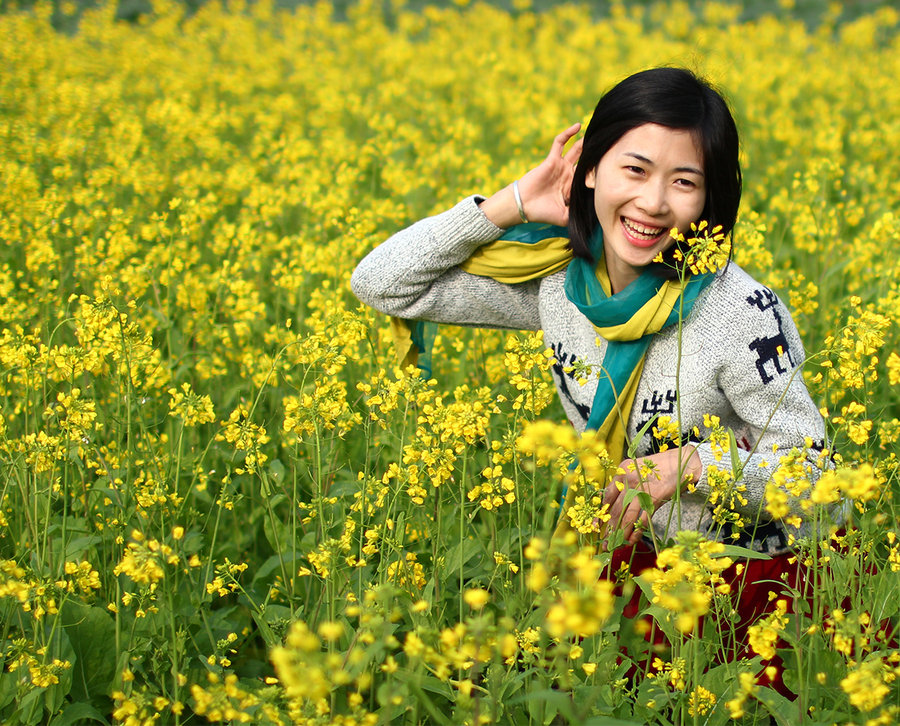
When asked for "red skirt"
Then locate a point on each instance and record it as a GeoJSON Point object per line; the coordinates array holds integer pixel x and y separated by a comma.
{"type": "Point", "coordinates": [756, 589]}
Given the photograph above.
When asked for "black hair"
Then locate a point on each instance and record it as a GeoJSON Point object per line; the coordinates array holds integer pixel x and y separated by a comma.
{"type": "Point", "coordinates": [672, 97]}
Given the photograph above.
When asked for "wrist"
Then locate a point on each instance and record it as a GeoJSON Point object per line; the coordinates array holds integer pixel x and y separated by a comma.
{"type": "Point", "coordinates": [520, 207]}
{"type": "Point", "coordinates": [501, 208]}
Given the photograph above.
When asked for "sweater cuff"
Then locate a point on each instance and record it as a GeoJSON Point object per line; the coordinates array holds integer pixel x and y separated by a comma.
{"type": "Point", "coordinates": [467, 215]}
{"type": "Point", "coordinates": [465, 223]}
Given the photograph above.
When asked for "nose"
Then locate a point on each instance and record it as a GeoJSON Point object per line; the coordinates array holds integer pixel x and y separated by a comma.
{"type": "Point", "coordinates": [653, 199]}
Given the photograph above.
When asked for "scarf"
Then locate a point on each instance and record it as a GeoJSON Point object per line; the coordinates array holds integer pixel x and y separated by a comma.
{"type": "Point", "coordinates": [627, 320]}
{"type": "Point", "coordinates": [525, 252]}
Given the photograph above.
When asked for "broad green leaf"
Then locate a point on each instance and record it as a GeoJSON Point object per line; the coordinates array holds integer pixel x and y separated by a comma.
{"type": "Point", "coordinates": [646, 501]}
{"type": "Point", "coordinates": [741, 553]}
{"type": "Point", "coordinates": [460, 554]}
{"type": "Point", "coordinates": [557, 702]}
{"type": "Point", "coordinates": [265, 631]}
{"type": "Point", "coordinates": [92, 633]}
{"type": "Point", "coordinates": [273, 564]}
{"type": "Point", "coordinates": [78, 713]}
{"type": "Point", "coordinates": [783, 711]}
{"type": "Point", "coordinates": [7, 687]}
{"type": "Point", "coordinates": [78, 545]}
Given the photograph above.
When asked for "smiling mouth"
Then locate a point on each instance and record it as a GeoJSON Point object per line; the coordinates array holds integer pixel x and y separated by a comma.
{"type": "Point", "coordinates": [642, 232]}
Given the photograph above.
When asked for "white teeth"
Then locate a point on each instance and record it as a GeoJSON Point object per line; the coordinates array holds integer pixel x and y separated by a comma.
{"type": "Point", "coordinates": [641, 230]}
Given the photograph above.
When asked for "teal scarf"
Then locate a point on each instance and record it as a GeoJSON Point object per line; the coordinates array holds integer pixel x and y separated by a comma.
{"type": "Point", "coordinates": [627, 320]}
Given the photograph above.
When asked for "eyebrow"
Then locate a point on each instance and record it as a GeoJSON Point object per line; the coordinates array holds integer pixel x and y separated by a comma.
{"type": "Point", "coordinates": [639, 157]}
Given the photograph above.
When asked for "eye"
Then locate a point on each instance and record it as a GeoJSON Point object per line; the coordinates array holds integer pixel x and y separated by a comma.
{"type": "Point", "coordinates": [634, 169]}
{"type": "Point", "coordinates": [686, 183]}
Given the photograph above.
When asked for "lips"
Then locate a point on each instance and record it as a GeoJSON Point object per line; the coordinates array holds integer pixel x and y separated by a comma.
{"type": "Point", "coordinates": [642, 235]}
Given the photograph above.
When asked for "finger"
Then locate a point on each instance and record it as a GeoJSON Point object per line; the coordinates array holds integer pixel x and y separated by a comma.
{"type": "Point", "coordinates": [562, 139]}
{"type": "Point", "coordinates": [616, 483]}
{"type": "Point", "coordinates": [641, 526]}
{"type": "Point", "coordinates": [632, 522]}
{"type": "Point", "coordinates": [623, 511]}
{"type": "Point", "coordinates": [574, 154]}
{"type": "Point", "coordinates": [613, 491]}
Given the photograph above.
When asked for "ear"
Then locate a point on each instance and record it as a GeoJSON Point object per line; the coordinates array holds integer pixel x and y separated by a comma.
{"type": "Point", "coordinates": [590, 179]}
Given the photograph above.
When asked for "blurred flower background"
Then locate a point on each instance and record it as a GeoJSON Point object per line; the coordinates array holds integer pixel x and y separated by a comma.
{"type": "Point", "coordinates": [221, 501]}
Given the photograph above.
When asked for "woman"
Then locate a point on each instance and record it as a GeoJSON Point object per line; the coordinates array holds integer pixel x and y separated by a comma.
{"type": "Point", "coordinates": [660, 152]}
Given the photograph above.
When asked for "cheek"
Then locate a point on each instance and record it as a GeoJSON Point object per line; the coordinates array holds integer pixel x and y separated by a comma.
{"type": "Point", "coordinates": [692, 209]}
{"type": "Point", "coordinates": [608, 199]}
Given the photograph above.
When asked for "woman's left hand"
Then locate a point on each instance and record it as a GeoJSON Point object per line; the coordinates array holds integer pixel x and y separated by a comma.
{"type": "Point", "coordinates": [659, 475]}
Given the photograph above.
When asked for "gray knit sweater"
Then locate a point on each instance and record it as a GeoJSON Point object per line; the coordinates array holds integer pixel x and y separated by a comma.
{"type": "Point", "coordinates": [740, 359]}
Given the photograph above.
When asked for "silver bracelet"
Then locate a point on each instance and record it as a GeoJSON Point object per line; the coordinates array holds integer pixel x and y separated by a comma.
{"type": "Point", "coordinates": [519, 201]}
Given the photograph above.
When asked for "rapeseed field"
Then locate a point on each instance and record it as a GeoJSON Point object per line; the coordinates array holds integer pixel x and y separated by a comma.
{"type": "Point", "coordinates": [221, 499]}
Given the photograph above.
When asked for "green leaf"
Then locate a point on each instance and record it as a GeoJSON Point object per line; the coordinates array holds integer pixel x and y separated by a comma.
{"type": "Point", "coordinates": [741, 553]}
{"type": "Point", "coordinates": [646, 502]}
{"type": "Point", "coordinates": [434, 685]}
{"type": "Point", "coordinates": [460, 554]}
{"type": "Point", "coordinates": [77, 712]}
{"type": "Point", "coordinates": [78, 545]}
{"type": "Point", "coordinates": [278, 533]}
{"type": "Point", "coordinates": [783, 711]}
{"type": "Point", "coordinates": [736, 465]}
{"type": "Point", "coordinates": [7, 687]}
{"type": "Point", "coordinates": [268, 635]}
{"type": "Point", "coordinates": [273, 564]}
{"type": "Point", "coordinates": [557, 702]}
{"type": "Point", "coordinates": [387, 693]}
{"type": "Point", "coordinates": [657, 612]}
{"type": "Point", "coordinates": [30, 710]}
{"type": "Point", "coordinates": [419, 686]}
{"type": "Point", "coordinates": [632, 446]}
{"type": "Point", "coordinates": [91, 631]}
{"type": "Point", "coordinates": [276, 471]}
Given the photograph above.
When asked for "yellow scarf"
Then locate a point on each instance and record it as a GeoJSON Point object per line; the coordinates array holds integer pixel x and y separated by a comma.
{"type": "Point", "coordinates": [627, 320]}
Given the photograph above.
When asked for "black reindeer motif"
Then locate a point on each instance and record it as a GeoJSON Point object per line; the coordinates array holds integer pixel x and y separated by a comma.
{"type": "Point", "coordinates": [658, 404]}
{"type": "Point", "coordinates": [564, 360]}
{"type": "Point", "coordinates": [769, 349]}
{"type": "Point", "coordinates": [763, 299]}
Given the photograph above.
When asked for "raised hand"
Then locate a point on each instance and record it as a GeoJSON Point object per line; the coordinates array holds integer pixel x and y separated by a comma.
{"type": "Point", "coordinates": [660, 476]}
{"type": "Point", "coordinates": [544, 190]}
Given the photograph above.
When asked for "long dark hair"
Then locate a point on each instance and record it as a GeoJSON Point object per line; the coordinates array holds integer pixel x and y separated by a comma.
{"type": "Point", "coordinates": [672, 97]}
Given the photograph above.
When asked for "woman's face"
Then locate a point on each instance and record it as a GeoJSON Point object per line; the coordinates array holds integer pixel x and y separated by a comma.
{"type": "Point", "coordinates": [649, 181]}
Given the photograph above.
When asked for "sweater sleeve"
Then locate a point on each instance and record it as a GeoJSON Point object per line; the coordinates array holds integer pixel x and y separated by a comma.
{"type": "Point", "coordinates": [762, 378]}
{"type": "Point", "coordinates": [415, 275]}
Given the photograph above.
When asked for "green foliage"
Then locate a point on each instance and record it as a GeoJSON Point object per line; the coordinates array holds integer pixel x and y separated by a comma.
{"type": "Point", "coordinates": [221, 502]}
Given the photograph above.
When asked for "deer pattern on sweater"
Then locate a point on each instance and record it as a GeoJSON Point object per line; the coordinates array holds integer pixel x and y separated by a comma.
{"type": "Point", "coordinates": [769, 349]}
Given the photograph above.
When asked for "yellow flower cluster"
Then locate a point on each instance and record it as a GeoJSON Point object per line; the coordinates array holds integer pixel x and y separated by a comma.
{"type": "Point", "coordinates": [763, 635]}
{"type": "Point", "coordinates": [144, 562]}
{"type": "Point", "coordinates": [191, 407]}
{"type": "Point", "coordinates": [701, 702]}
{"type": "Point", "coordinates": [203, 434]}
{"type": "Point", "coordinates": [41, 671]}
{"type": "Point", "coordinates": [707, 249]}
{"type": "Point", "coordinates": [407, 572]}
{"type": "Point", "coordinates": [747, 688]}
{"type": "Point", "coordinates": [245, 436]}
{"type": "Point", "coordinates": [581, 613]}
{"type": "Point", "coordinates": [527, 363]}
{"type": "Point", "coordinates": [869, 683]}
{"type": "Point", "coordinates": [687, 577]}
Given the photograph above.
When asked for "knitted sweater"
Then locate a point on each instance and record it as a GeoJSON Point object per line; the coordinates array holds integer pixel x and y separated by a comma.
{"type": "Point", "coordinates": [740, 359]}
